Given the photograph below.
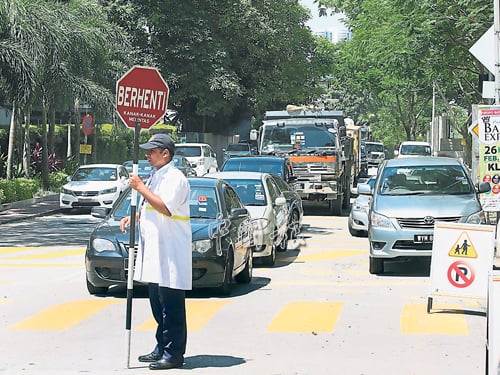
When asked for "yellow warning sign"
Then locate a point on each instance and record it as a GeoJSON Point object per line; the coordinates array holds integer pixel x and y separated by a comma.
{"type": "Point", "coordinates": [463, 247]}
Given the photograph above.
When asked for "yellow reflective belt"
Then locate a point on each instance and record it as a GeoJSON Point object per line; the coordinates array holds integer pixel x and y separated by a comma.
{"type": "Point", "coordinates": [175, 217]}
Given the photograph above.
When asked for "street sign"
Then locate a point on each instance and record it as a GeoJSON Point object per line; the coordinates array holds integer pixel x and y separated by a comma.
{"type": "Point", "coordinates": [141, 97]}
{"type": "Point", "coordinates": [483, 51]}
{"type": "Point", "coordinates": [87, 124]}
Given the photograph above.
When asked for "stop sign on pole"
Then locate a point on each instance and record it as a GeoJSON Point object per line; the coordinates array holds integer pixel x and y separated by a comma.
{"type": "Point", "coordinates": [141, 97]}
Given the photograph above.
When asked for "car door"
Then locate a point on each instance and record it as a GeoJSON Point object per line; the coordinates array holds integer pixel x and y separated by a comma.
{"type": "Point", "coordinates": [240, 228]}
{"type": "Point", "coordinates": [280, 213]}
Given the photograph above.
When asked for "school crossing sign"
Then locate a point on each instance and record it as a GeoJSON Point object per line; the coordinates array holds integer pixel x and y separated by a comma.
{"type": "Point", "coordinates": [462, 256]}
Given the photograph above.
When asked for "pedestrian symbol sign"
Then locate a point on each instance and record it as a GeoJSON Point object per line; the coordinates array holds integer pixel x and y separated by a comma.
{"type": "Point", "coordinates": [463, 247]}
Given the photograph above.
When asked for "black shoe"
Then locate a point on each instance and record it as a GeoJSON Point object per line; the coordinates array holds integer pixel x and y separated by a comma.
{"type": "Point", "coordinates": [151, 357]}
{"type": "Point", "coordinates": [164, 364]}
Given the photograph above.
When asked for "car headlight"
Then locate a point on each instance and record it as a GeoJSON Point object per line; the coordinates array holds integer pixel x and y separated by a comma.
{"type": "Point", "coordinates": [202, 246]}
{"type": "Point", "coordinates": [101, 244]}
{"type": "Point", "coordinates": [109, 191]}
{"type": "Point", "coordinates": [380, 221]}
{"type": "Point", "coordinates": [477, 218]}
{"type": "Point", "coordinates": [66, 191]}
{"type": "Point", "coordinates": [360, 208]}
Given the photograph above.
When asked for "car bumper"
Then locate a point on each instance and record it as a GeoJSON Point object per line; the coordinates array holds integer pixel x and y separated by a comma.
{"type": "Point", "coordinates": [208, 272]}
{"type": "Point", "coordinates": [358, 220]}
{"type": "Point", "coordinates": [390, 243]}
{"type": "Point", "coordinates": [67, 201]}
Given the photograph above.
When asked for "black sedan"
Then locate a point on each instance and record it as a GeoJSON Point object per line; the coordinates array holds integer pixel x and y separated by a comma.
{"type": "Point", "coordinates": [222, 237]}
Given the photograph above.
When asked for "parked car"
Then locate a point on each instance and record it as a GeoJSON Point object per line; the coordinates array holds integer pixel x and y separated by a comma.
{"type": "Point", "coordinates": [184, 165]}
{"type": "Point", "coordinates": [94, 185]}
{"type": "Point", "coordinates": [222, 237]}
{"type": "Point", "coordinates": [280, 166]}
{"type": "Point", "coordinates": [201, 156]}
{"type": "Point", "coordinates": [409, 195]}
{"type": "Point", "coordinates": [414, 149]}
{"type": "Point", "coordinates": [357, 221]}
{"type": "Point", "coordinates": [267, 206]}
{"type": "Point", "coordinates": [143, 168]}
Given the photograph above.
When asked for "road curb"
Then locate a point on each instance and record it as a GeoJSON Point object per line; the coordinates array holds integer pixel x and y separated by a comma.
{"type": "Point", "coordinates": [28, 202]}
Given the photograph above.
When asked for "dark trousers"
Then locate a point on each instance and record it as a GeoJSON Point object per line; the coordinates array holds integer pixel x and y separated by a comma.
{"type": "Point", "coordinates": [169, 310]}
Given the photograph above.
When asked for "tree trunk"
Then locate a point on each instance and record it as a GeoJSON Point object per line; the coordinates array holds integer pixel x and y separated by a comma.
{"type": "Point", "coordinates": [27, 144]}
{"type": "Point", "coordinates": [12, 133]}
{"type": "Point", "coordinates": [52, 129]}
{"type": "Point", "coordinates": [45, 154]}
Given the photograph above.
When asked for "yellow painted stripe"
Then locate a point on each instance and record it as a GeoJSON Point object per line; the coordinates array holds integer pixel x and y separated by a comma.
{"type": "Point", "coordinates": [416, 320]}
{"type": "Point", "coordinates": [53, 254]}
{"type": "Point", "coordinates": [41, 265]}
{"type": "Point", "coordinates": [198, 315]}
{"type": "Point", "coordinates": [334, 254]}
{"type": "Point", "coordinates": [63, 316]}
{"type": "Point", "coordinates": [307, 317]}
{"type": "Point", "coordinates": [7, 250]}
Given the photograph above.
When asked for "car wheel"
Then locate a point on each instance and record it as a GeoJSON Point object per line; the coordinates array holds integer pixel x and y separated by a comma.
{"type": "Point", "coordinates": [335, 207]}
{"type": "Point", "coordinates": [96, 289]}
{"type": "Point", "coordinates": [376, 265]}
{"type": "Point", "coordinates": [245, 276]}
{"type": "Point", "coordinates": [270, 259]}
{"type": "Point", "coordinates": [225, 288]}
{"type": "Point", "coordinates": [282, 246]}
{"type": "Point", "coordinates": [294, 226]}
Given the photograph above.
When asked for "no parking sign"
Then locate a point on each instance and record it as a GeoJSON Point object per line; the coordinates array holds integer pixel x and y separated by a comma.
{"type": "Point", "coordinates": [462, 256]}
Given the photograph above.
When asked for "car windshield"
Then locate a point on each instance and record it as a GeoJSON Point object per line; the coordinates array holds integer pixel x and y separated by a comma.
{"type": "Point", "coordinates": [291, 138]}
{"type": "Point", "coordinates": [415, 150]}
{"type": "Point", "coordinates": [415, 180]}
{"type": "Point", "coordinates": [203, 202]}
{"type": "Point", "coordinates": [237, 147]}
{"type": "Point", "coordinates": [177, 161]}
{"type": "Point", "coordinates": [374, 147]}
{"type": "Point", "coordinates": [95, 174]}
{"type": "Point", "coordinates": [251, 192]}
{"type": "Point", "coordinates": [143, 167]}
{"type": "Point", "coordinates": [188, 151]}
{"type": "Point", "coordinates": [252, 165]}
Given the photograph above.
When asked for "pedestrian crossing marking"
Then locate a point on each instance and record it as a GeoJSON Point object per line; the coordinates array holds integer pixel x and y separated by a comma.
{"type": "Point", "coordinates": [6, 250]}
{"type": "Point", "coordinates": [463, 247]}
{"type": "Point", "coordinates": [334, 254]}
{"type": "Point", "coordinates": [63, 316]}
{"type": "Point", "coordinates": [50, 255]}
{"type": "Point", "coordinates": [415, 320]}
{"type": "Point", "coordinates": [307, 317]}
{"type": "Point", "coordinates": [198, 314]}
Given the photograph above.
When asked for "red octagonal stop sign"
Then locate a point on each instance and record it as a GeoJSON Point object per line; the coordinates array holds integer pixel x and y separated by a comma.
{"type": "Point", "coordinates": [141, 96]}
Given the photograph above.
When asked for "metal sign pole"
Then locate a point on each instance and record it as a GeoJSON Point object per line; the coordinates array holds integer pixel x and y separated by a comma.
{"type": "Point", "coordinates": [131, 251]}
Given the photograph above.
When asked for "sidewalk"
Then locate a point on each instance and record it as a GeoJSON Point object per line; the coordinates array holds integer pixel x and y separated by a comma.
{"type": "Point", "coordinates": [29, 208]}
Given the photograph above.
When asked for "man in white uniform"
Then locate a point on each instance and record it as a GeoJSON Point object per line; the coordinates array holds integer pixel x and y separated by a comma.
{"type": "Point", "coordinates": [164, 254]}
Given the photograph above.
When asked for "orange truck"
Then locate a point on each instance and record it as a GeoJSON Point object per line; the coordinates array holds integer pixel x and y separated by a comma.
{"type": "Point", "coordinates": [321, 153]}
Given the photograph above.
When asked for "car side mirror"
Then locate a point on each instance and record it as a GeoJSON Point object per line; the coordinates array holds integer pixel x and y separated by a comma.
{"type": "Point", "coordinates": [364, 189]}
{"type": "Point", "coordinates": [100, 212]}
{"type": "Point", "coordinates": [483, 187]}
{"type": "Point", "coordinates": [238, 212]}
{"type": "Point", "coordinates": [280, 201]}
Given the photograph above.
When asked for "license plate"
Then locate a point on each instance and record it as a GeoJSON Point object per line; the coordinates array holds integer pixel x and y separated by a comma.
{"type": "Point", "coordinates": [423, 238]}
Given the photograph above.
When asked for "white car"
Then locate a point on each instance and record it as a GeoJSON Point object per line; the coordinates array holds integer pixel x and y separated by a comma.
{"type": "Point", "coordinates": [201, 156]}
{"type": "Point", "coordinates": [268, 208]}
{"type": "Point", "coordinates": [414, 149]}
{"type": "Point", "coordinates": [94, 185]}
{"type": "Point", "coordinates": [358, 216]}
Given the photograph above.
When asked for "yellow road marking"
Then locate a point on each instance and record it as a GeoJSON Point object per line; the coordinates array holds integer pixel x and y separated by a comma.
{"type": "Point", "coordinates": [35, 265]}
{"type": "Point", "coordinates": [6, 250]}
{"type": "Point", "coordinates": [63, 316]}
{"type": "Point", "coordinates": [53, 254]}
{"type": "Point", "coordinates": [198, 314]}
{"type": "Point", "coordinates": [307, 317]}
{"type": "Point", "coordinates": [415, 320]}
{"type": "Point", "coordinates": [334, 254]}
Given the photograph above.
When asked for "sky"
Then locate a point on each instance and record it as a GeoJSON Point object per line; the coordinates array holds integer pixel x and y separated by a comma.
{"type": "Point", "coordinates": [318, 23]}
